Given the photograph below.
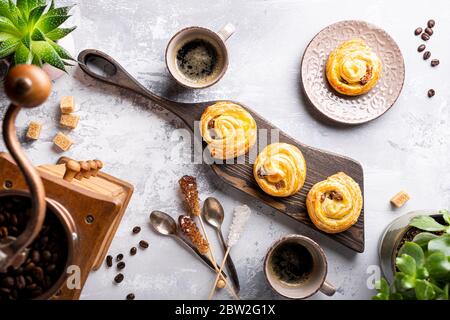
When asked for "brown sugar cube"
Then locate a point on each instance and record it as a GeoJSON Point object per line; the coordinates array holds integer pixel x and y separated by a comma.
{"type": "Point", "coordinates": [67, 105]}
{"type": "Point", "coordinates": [69, 120]}
{"type": "Point", "coordinates": [34, 130]}
{"type": "Point", "coordinates": [400, 199]}
{"type": "Point", "coordinates": [62, 141]}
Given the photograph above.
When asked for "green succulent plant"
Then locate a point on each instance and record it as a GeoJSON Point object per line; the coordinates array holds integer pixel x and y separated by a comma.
{"type": "Point", "coordinates": [423, 264]}
{"type": "Point", "coordinates": [29, 30]}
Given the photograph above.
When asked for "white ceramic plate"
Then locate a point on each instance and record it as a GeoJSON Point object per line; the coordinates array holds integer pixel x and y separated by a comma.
{"type": "Point", "coordinates": [359, 109]}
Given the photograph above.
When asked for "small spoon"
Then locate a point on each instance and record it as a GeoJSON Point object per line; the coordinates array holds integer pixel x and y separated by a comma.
{"type": "Point", "coordinates": [164, 224]}
{"type": "Point", "coordinates": [214, 214]}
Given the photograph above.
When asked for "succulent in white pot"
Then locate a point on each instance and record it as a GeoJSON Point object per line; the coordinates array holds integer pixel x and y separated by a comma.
{"type": "Point", "coordinates": [31, 33]}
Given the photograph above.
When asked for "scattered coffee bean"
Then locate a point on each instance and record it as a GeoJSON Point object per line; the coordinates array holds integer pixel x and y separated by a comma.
{"type": "Point", "coordinates": [434, 62]}
{"type": "Point", "coordinates": [426, 55]}
{"type": "Point", "coordinates": [429, 31]}
{"type": "Point", "coordinates": [143, 244]}
{"type": "Point", "coordinates": [121, 265]}
{"type": "Point", "coordinates": [8, 282]}
{"type": "Point", "coordinates": [136, 230]}
{"type": "Point", "coordinates": [119, 278]}
{"type": "Point", "coordinates": [119, 257]}
{"type": "Point", "coordinates": [425, 36]}
{"type": "Point", "coordinates": [431, 93]}
{"type": "Point", "coordinates": [130, 296]}
{"type": "Point", "coordinates": [421, 48]}
{"type": "Point", "coordinates": [133, 251]}
{"type": "Point", "coordinates": [418, 31]}
{"type": "Point", "coordinates": [109, 261]}
{"type": "Point", "coordinates": [431, 23]}
{"type": "Point", "coordinates": [35, 256]}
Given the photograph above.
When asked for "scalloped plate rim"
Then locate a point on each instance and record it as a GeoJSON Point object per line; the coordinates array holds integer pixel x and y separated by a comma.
{"type": "Point", "coordinates": [356, 121]}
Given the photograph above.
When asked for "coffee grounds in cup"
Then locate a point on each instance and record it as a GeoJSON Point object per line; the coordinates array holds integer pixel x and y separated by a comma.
{"type": "Point", "coordinates": [292, 263]}
{"type": "Point", "coordinates": [197, 59]}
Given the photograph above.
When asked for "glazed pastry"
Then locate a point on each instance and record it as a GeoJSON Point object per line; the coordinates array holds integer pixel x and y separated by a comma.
{"type": "Point", "coordinates": [334, 205]}
{"type": "Point", "coordinates": [228, 129]}
{"type": "Point", "coordinates": [280, 169]}
{"type": "Point", "coordinates": [353, 68]}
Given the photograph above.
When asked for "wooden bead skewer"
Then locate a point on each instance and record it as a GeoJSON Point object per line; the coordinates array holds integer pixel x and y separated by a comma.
{"type": "Point", "coordinates": [218, 271]}
{"type": "Point", "coordinates": [72, 169]}
{"type": "Point", "coordinates": [92, 168]}
{"type": "Point", "coordinates": [84, 173]}
{"type": "Point", "coordinates": [213, 289]}
{"type": "Point", "coordinates": [99, 167]}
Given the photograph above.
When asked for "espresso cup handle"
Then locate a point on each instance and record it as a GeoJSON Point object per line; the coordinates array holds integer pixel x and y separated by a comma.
{"type": "Point", "coordinates": [328, 289]}
{"type": "Point", "coordinates": [226, 32]}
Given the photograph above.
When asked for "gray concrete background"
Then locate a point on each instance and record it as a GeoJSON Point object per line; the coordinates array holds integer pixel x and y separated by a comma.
{"type": "Point", "coordinates": [407, 148]}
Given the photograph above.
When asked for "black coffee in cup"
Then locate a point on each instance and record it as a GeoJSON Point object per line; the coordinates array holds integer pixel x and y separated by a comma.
{"type": "Point", "coordinates": [198, 60]}
{"type": "Point", "coordinates": [291, 263]}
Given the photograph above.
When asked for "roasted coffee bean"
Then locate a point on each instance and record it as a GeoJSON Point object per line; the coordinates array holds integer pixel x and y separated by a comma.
{"type": "Point", "coordinates": [431, 93]}
{"type": "Point", "coordinates": [426, 55]}
{"type": "Point", "coordinates": [118, 278]}
{"type": "Point", "coordinates": [3, 232]}
{"type": "Point", "coordinates": [121, 265]}
{"type": "Point", "coordinates": [50, 268]}
{"type": "Point", "coordinates": [418, 31]}
{"type": "Point", "coordinates": [38, 274]}
{"type": "Point", "coordinates": [55, 257]}
{"type": "Point", "coordinates": [5, 291]}
{"type": "Point", "coordinates": [130, 296]}
{"type": "Point", "coordinates": [119, 257]}
{"type": "Point", "coordinates": [109, 261]}
{"type": "Point", "coordinates": [431, 23]}
{"type": "Point", "coordinates": [32, 286]}
{"type": "Point", "coordinates": [434, 62]}
{"type": "Point", "coordinates": [136, 230]}
{"type": "Point", "coordinates": [429, 31]}
{"type": "Point", "coordinates": [47, 255]}
{"type": "Point", "coordinates": [425, 36]}
{"type": "Point", "coordinates": [133, 251]}
{"type": "Point", "coordinates": [143, 244]}
{"type": "Point", "coordinates": [8, 282]}
{"type": "Point", "coordinates": [46, 258]}
{"type": "Point", "coordinates": [20, 282]}
{"type": "Point", "coordinates": [13, 220]}
{"type": "Point", "coordinates": [35, 256]}
{"type": "Point", "coordinates": [13, 231]}
{"type": "Point", "coordinates": [421, 48]}
{"type": "Point", "coordinates": [29, 267]}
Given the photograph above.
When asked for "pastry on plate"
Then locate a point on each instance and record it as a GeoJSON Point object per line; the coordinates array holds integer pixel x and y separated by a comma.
{"type": "Point", "coordinates": [280, 169]}
{"type": "Point", "coordinates": [334, 205]}
{"type": "Point", "coordinates": [353, 68]}
{"type": "Point", "coordinates": [228, 129]}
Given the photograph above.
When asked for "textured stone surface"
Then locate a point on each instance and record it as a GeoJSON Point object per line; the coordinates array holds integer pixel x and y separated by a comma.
{"type": "Point", "coordinates": [407, 148]}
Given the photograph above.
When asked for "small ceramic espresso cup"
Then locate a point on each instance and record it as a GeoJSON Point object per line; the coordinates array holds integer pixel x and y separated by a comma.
{"type": "Point", "coordinates": [312, 283]}
{"type": "Point", "coordinates": [215, 39]}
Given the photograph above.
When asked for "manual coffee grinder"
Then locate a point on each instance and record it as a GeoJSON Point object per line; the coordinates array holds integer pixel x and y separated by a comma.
{"type": "Point", "coordinates": [56, 221]}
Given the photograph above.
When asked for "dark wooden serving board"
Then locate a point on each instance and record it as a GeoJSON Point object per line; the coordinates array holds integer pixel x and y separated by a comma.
{"type": "Point", "coordinates": [320, 164]}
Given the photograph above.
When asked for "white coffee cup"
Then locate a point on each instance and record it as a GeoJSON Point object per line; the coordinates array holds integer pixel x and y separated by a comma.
{"type": "Point", "coordinates": [315, 280]}
{"type": "Point", "coordinates": [216, 39]}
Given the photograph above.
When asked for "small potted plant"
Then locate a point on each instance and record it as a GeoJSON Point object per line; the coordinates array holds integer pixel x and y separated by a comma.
{"type": "Point", "coordinates": [30, 33]}
{"type": "Point", "coordinates": [421, 268]}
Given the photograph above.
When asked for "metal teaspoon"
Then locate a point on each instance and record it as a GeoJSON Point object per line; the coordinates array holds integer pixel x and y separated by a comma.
{"type": "Point", "coordinates": [165, 225]}
{"type": "Point", "coordinates": [214, 214]}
